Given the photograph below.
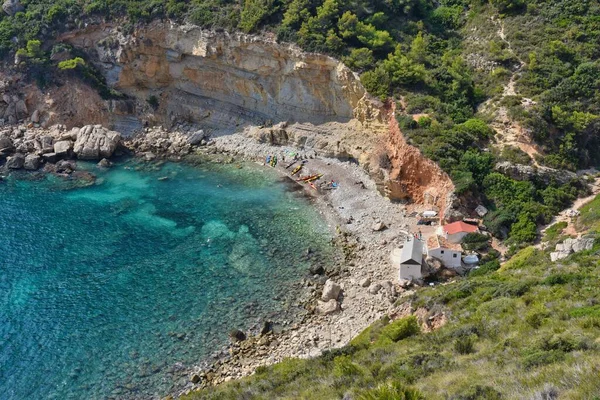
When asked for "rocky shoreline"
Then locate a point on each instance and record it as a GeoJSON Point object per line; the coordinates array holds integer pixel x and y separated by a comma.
{"type": "Point", "coordinates": [342, 301]}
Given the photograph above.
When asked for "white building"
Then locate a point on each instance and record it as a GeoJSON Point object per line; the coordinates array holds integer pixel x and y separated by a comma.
{"type": "Point", "coordinates": [448, 253]}
{"type": "Point", "coordinates": [456, 231]}
{"type": "Point", "coordinates": [411, 259]}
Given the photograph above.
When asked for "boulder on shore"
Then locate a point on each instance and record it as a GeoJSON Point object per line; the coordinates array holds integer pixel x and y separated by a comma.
{"type": "Point", "coordinates": [5, 143]}
{"type": "Point", "coordinates": [95, 142]}
{"type": "Point", "coordinates": [378, 226]}
{"type": "Point", "coordinates": [331, 291]}
{"type": "Point", "coordinates": [327, 307]}
{"type": "Point", "coordinates": [32, 162]}
{"type": "Point", "coordinates": [62, 148]}
{"type": "Point", "coordinates": [16, 161]}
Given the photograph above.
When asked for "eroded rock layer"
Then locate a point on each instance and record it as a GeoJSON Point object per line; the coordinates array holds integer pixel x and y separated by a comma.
{"type": "Point", "coordinates": [222, 79]}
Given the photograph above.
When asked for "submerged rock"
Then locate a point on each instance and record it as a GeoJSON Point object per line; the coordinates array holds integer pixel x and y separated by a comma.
{"type": "Point", "coordinates": [104, 163]}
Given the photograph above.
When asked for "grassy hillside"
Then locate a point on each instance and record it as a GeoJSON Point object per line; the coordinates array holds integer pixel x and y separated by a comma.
{"type": "Point", "coordinates": [530, 330]}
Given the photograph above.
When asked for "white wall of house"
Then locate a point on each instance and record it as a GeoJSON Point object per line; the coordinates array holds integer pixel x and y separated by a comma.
{"type": "Point", "coordinates": [410, 271]}
{"type": "Point", "coordinates": [450, 258]}
{"type": "Point", "coordinates": [456, 237]}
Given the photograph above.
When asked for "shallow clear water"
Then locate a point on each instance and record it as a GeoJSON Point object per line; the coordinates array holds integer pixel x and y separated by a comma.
{"type": "Point", "coordinates": [104, 289]}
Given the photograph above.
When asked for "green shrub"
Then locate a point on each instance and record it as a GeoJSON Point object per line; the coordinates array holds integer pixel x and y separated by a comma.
{"type": "Point", "coordinates": [592, 311]}
{"type": "Point", "coordinates": [400, 329]}
{"type": "Point", "coordinates": [465, 345]}
{"type": "Point", "coordinates": [343, 366]}
{"type": "Point", "coordinates": [554, 231]}
{"type": "Point", "coordinates": [536, 358]}
{"type": "Point", "coordinates": [391, 391]}
{"type": "Point", "coordinates": [70, 64]}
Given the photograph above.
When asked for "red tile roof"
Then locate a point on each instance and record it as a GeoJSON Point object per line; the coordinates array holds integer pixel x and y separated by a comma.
{"type": "Point", "coordinates": [459, 226]}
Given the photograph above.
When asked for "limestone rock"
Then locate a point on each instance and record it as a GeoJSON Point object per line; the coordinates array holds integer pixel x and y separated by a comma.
{"type": "Point", "coordinates": [378, 226]}
{"type": "Point", "coordinates": [32, 162]}
{"type": "Point", "coordinates": [569, 246]}
{"type": "Point", "coordinates": [35, 117]}
{"type": "Point", "coordinates": [16, 161]}
{"type": "Point", "coordinates": [365, 282]}
{"type": "Point", "coordinates": [50, 157]}
{"type": "Point", "coordinates": [331, 290]}
{"type": "Point", "coordinates": [95, 142]}
{"type": "Point", "coordinates": [63, 148]}
{"type": "Point", "coordinates": [47, 144]}
{"type": "Point", "coordinates": [527, 172]}
{"type": "Point", "coordinates": [11, 7]}
{"type": "Point", "coordinates": [374, 288]}
{"type": "Point", "coordinates": [195, 378]}
{"type": "Point", "coordinates": [327, 307]}
{"type": "Point", "coordinates": [389, 288]}
{"type": "Point", "coordinates": [195, 138]}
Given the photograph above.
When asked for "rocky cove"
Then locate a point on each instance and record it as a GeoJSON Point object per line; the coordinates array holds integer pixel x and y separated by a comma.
{"type": "Point", "coordinates": [232, 97]}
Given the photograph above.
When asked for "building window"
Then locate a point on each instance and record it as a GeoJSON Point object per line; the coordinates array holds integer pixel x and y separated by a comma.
{"type": "Point", "coordinates": [454, 255]}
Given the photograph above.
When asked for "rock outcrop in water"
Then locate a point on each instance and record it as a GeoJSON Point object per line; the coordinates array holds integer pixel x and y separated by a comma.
{"type": "Point", "coordinates": [31, 148]}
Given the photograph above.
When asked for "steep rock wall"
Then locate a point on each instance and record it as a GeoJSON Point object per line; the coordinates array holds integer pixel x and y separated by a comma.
{"type": "Point", "coordinates": [222, 79]}
{"type": "Point", "coordinates": [412, 176]}
{"type": "Point", "coordinates": [228, 81]}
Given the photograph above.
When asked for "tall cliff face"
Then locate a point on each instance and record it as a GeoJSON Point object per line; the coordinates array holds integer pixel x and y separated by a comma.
{"type": "Point", "coordinates": [222, 79]}
{"type": "Point", "coordinates": [228, 81]}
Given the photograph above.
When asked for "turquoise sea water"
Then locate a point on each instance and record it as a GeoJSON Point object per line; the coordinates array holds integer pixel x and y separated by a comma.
{"type": "Point", "coordinates": [105, 291]}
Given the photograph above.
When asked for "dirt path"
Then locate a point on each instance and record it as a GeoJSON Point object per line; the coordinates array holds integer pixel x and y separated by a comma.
{"type": "Point", "coordinates": [509, 132]}
{"type": "Point", "coordinates": [566, 214]}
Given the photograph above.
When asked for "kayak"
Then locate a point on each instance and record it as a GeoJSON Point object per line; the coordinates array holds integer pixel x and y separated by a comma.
{"type": "Point", "coordinates": [312, 185]}
{"type": "Point", "coordinates": [306, 178]}
{"type": "Point", "coordinates": [297, 169]}
{"type": "Point", "coordinates": [314, 178]}
{"type": "Point", "coordinates": [290, 164]}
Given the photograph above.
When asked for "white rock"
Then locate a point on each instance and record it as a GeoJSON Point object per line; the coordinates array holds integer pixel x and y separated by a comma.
{"type": "Point", "coordinates": [331, 291]}
{"type": "Point", "coordinates": [62, 148]}
{"type": "Point", "coordinates": [327, 307]}
{"type": "Point", "coordinates": [365, 282]}
{"type": "Point", "coordinates": [95, 142]}
{"type": "Point", "coordinates": [378, 226]}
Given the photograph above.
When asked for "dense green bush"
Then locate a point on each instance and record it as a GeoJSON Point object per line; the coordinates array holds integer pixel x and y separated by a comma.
{"type": "Point", "coordinates": [400, 329]}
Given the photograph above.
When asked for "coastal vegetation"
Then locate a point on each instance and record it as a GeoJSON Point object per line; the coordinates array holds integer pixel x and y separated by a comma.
{"type": "Point", "coordinates": [526, 330]}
